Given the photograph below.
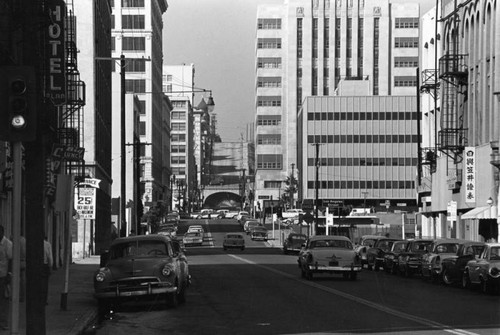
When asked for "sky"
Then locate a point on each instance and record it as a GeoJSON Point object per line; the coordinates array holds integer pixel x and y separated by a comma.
{"type": "Point", "coordinates": [218, 37]}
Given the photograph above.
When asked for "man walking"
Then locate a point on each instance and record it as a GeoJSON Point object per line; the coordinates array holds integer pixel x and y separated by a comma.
{"type": "Point", "coordinates": [5, 263]}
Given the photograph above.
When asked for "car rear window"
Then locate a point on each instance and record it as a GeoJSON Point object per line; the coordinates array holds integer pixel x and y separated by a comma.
{"type": "Point", "coordinates": [234, 236]}
{"type": "Point", "coordinates": [138, 248]}
{"type": "Point", "coordinates": [330, 244]}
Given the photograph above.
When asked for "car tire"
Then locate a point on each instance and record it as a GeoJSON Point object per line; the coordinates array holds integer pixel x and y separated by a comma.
{"type": "Point", "coordinates": [407, 272]}
{"type": "Point", "coordinates": [369, 266]}
{"type": "Point", "coordinates": [485, 287]}
{"type": "Point", "coordinates": [103, 308]}
{"type": "Point", "coordinates": [181, 297]}
{"type": "Point", "coordinates": [224, 248]}
{"type": "Point", "coordinates": [466, 280]}
{"type": "Point", "coordinates": [172, 300]}
{"type": "Point", "coordinates": [309, 275]}
{"type": "Point", "coordinates": [353, 276]}
{"type": "Point", "coordinates": [242, 248]}
{"type": "Point", "coordinates": [446, 277]}
{"type": "Point", "coordinates": [302, 272]}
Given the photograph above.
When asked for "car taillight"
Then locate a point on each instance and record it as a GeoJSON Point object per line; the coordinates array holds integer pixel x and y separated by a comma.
{"type": "Point", "coordinates": [167, 270]}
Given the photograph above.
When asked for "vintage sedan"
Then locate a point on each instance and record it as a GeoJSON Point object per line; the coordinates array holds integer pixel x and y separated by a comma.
{"type": "Point", "coordinates": [484, 270]}
{"type": "Point", "coordinates": [192, 238]}
{"type": "Point", "coordinates": [233, 241]}
{"type": "Point", "coordinates": [410, 260]}
{"type": "Point", "coordinates": [375, 255]}
{"type": "Point", "coordinates": [251, 224]}
{"type": "Point", "coordinates": [141, 266]}
{"type": "Point", "coordinates": [367, 242]}
{"type": "Point", "coordinates": [391, 263]}
{"type": "Point", "coordinates": [454, 266]}
{"type": "Point", "coordinates": [294, 242]}
{"type": "Point", "coordinates": [329, 254]}
{"type": "Point", "coordinates": [258, 233]}
{"type": "Point", "coordinates": [439, 250]}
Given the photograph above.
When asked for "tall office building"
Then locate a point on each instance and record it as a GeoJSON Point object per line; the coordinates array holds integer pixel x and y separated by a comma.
{"type": "Point", "coordinates": [309, 48]}
{"type": "Point", "coordinates": [137, 35]}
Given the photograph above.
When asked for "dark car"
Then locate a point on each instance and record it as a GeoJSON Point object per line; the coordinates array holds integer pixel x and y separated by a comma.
{"type": "Point", "coordinates": [410, 260]}
{"type": "Point", "coordinates": [142, 266]}
{"type": "Point", "coordinates": [375, 255]}
{"type": "Point", "coordinates": [294, 242]}
{"type": "Point", "coordinates": [484, 270]}
{"type": "Point", "coordinates": [439, 250]}
{"type": "Point", "coordinates": [367, 242]}
{"type": "Point", "coordinates": [391, 258]}
{"type": "Point", "coordinates": [454, 266]}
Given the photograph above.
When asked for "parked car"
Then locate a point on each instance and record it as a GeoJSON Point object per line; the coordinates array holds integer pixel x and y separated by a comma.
{"type": "Point", "coordinates": [367, 242]}
{"type": "Point", "coordinates": [196, 228]}
{"type": "Point", "coordinates": [249, 224]}
{"type": "Point", "coordinates": [329, 254]}
{"type": "Point", "coordinates": [233, 240]}
{"type": "Point", "coordinates": [484, 270]}
{"type": "Point", "coordinates": [454, 266]}
{"type": "Point", "coordinates": [294, 242]}
{"type": "Point", "coordinates": [431, 261]}
{"type": "Point", "coordinates": [375, 255]}
{"type": "Point", "coordinates": [410, 260]}
{"type": "Point", "coordinates": [258, 233]}
{"type": "Point", "coordinates": [192, 238]}
{"type": "Point", "coordinates": [244, 219]}
{"type": "Point", "coordinates": [231, 214]}
{"type": "Point", "coordinates": [173, 218]}
{"type": "Point", "coordinates": [206, 214]}
{"type": "Point", "coordinates": [391, 258]}
{"type": "Point", "coordinates": [143, 266]}
{"type": "Point", "coordinates": [222, 212]}
{"type": "Point", "coordinates": [167, 229]}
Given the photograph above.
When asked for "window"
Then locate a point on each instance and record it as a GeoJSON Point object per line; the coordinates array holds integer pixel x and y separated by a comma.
{"type": "Point", "coordinates": [134, 43]}
{"type": "Point", "coordinates": [269, 139]}
{"type": "Point", "coordinates": [132, 3]}
{"type": "Point", "coordinates": [269, 162]}
{"type": "Point", "coordinates": [142, 128]}
{"type": "Point", "coordinates": [180, 104]}
{"type": "Point", "coordinates": [405, 81]}
{"type": "Point", "coordinates": [178, 137]}
{"type": "Point", "coordinates": [178, 159]}
{"type": "Point", "coordinates": [135, 85]}
{"type": "Point", "coordinates": [133, 21]}
{"type": "Point", "coordinates": [405, 61]}
{"type": "Point", "coordinates": [269, 120]}
{"type": "Point", "coordinates": [269, 43]}
{"type": "Point", "coordinates": [269, 24]}
{"type": "Point", "coordinates": [268, 101]}
{"type": "Point", "coordinates": [136, 65]}
{"type": "Point", "coordinates": [142, 105]}
{"type": "Point", "coordinates": [269, 82]}
{"type": "Point", "coordinates": [406, 22]}
{"type": "Point", "coordinates": [406, 42]}
{"type": "Point", "coordinates": [272, 184]}
{"type": "Point", "coordinates": [269, 63]}
{"type": "Point", "coordinates": [177, 148]}
{"type": "Point", "coordinates": [178, 115]}
{"type": "Point", "coordinates": [178, 126]}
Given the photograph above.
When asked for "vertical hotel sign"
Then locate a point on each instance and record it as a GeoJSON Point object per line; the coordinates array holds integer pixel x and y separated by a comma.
{"type": "Point", "coordinates": [55, 84]}
{"type": "Point", "coordinates": [470, 174]}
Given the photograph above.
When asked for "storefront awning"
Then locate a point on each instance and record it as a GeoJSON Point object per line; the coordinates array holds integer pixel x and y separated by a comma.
{"type": "Point", "coordinates": [483, 212]}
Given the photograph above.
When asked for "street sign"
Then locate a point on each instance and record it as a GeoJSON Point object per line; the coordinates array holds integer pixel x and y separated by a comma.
{"type": "Point", "coordinates": [85, 202]}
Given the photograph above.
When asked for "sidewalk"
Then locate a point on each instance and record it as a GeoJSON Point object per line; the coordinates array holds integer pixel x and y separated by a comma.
{"type": "Point", "coordinates": [81, 305]}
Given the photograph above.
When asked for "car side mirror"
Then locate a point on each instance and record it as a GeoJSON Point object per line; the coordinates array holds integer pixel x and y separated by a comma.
{"type": "Point", "coordinates": [104, 258]}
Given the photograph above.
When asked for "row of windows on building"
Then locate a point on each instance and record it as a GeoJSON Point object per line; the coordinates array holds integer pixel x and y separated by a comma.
{"type": "Point", "coordinates": [362, 116]}
{"type": "Point", "coordinates": [129, 3]}
{"type": "Point", "coordinates": [399, 23]}
{"type": "Point", "coordinates": [366, 161]}
{"type": "Point", "coordinates": [362, 184]}
{"type": "Point", "coordinates": [403, 138]}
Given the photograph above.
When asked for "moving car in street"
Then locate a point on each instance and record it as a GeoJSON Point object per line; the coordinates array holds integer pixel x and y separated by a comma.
{"type": "Point", "coordinates": [439, 250]}
{"type": "Point", "coordinates": [167, 229]}
{"type": "Point", "coordinates": [454, 266]}
{"type": "Point", "coordinates": [251, 224]}
{"type": "Point", "coordinates": [231, 214]}
{"type": "Point", "coordinates": [196, 229]}
{"type": "Point", "coordinates": [258, 233]}
{"type": "Point", "coordinates": [293, 243]}
{"type": "Point", "coordinates": [391, 258]}
{"type": "Point", "coordinates": [241, 214]}
{"type": "Point", "coordinates": [410, 260]}
{"type": "Point", "coordinates": [206, 214]}
{"type": "Point", "coordinates": [233, 240]}
{"type": "Point", "coordinates": [141, 266]}
{"type": "Point", "coordinates": [484, 270]}
{"type": "Point", "coordinates": [192, 238]}
{"type": "Point", "coordinates": [329, 254]}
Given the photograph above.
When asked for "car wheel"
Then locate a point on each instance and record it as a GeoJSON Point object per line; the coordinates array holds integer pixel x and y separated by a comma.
{"type": "Point", "coordinates": [447, 277]}
{"type": "Point", "coordinates": [103, 308]}
{"type": "Point", "coordinates": [225, 248]}
{"type": "Point", "coordinates": [309, 275]}
{"type": "Point", "coordinates": [376, 266]}
{"type": "Point", "coordinates": [485, 287]}
{"type": "Point", "coordinates": [302, 272]}
{"type": "Point", "coordinates": [369, 266]}
{"type": "Point", "coordinates": [407, 272]}
{"type": "Point", "coordinates": [242, 248]}
{"type": "Point", "coordinates": [466, 280]}
{"type": "Point", "coordinates": [394, 269]}
{"type": "Point", "coordinates": [182, 294]}
{"type": "Point", "coordinates": [172, 300]}
{"type": "Point", "coordinates": [353, 276]}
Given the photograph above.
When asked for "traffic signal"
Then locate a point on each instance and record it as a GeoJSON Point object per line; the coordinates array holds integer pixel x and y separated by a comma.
{"type": "Point", "coordinates": [18, 99]}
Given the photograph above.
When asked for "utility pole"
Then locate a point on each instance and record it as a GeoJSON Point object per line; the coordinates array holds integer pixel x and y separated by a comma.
{"type": "Point", "coordinates": [316, 187]}
{"type": "Point", "coordinates": [123, 230]}
{"type": "Point", "coordinates": [292, 187]}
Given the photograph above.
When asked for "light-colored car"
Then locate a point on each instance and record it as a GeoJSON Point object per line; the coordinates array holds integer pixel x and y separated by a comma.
{"type": "Point", "coordinates": [249, 224]}
{"type": "Point", "coordinates": [206, 214]}
{"type": "Point", "coordinates": [196, 229]}
{"type": "Point", "coordinates": [484, 270]}
{"type": "Point", "coordinates": [167, 229]}
{"type": "Point", "coordinates": [234, 240]}
{"type": "Point", "coordinates": [231, 214]}
{"type": "Point", "coordinates": [329, 254]}
{"type": "Point", "coordinates": [241, 214]}
{"type": "Point", "coordinates": [192, 238]}
{"type": "Point", "coordinates": [292, 213]}
{"type": "Point", "coordinates": [258, 233]}
{"type": "Point", "coordinates": [141, 266]}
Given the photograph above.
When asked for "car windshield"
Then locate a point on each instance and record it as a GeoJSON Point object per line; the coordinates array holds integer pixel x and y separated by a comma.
{"type": "Point", "coordinates": [368, 242]}
{"type": "Point", "coordinates": [495, 254]}
{"type": "Point", "coordinates": [234, 236]}
{"type": "Point", "coordinates": [330, 244]}
{"type": "Point", "coordinates": [447, 248]}
{"type": "Point", "coordinates": [297, 237]}
{"type": "Point", "coordinates": [138, 248]}
{"type": "Point", "coordinates": [420, 246]}
{"type": "Point", "coordinates": [194, 234]}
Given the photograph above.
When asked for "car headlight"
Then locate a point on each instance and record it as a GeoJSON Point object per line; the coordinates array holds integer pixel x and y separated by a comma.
{"type": "Point", "coordinates": [167, 270]}
{"type": "Point", "coordinates": [495, 272]}
{"type": "Point", "coordinates": [100, 276]}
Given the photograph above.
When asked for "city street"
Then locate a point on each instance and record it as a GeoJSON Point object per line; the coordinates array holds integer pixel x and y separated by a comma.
{"type": "Point", "coordinates": [260, 291]}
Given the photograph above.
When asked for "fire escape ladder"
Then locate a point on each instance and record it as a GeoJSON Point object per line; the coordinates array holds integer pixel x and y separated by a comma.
{"type": "Point", "coordinates": [430, 85]}
{"type": "Point", "coordinates": [452, 137]}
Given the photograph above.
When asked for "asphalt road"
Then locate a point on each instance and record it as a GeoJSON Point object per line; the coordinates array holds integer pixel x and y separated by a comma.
{"type": "Point", "coordinates": [260, 291]}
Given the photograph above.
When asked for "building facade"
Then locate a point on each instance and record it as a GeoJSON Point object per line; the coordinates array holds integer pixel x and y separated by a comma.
{"type": "Point", "coordinates": [459, 184]}
{"type": "Point", "coordinates": [324, 48]}
{"type": "Point", "coordinates": [137, 35]}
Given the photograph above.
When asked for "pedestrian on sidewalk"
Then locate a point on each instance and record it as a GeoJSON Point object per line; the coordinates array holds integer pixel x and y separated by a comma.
{"type": "Point", "coordinates": [5, 266]}
{"type": "Point", "coordinates": [46, 270]}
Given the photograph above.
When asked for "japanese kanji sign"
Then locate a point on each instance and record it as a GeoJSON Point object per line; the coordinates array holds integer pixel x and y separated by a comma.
{"type": "Point", "coordinates": [470, 174]}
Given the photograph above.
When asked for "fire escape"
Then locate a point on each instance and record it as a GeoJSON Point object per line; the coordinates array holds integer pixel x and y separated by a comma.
{"type": "Point", "coordinates": [70, 128]}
